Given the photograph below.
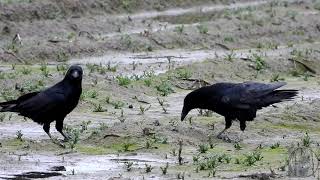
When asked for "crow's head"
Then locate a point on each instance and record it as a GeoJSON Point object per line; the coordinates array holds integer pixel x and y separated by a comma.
{"type": "Point", "coordinates": [188, 105]}
{"type": "Point", "coordinates": [74, 73]}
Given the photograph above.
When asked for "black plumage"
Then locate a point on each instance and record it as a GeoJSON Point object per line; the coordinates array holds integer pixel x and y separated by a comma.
{"type": "Point", "coordinates": [52, 104]}
{"type": "Point", "coordinates": [236, 100]}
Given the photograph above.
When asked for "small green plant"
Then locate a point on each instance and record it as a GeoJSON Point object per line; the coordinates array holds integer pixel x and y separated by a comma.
{"type": "Point", "coordinates": [92, 94]}
{"type": "Point", "coordinates": [148, 168]}
{"type": "Point", "coordinates": [71, 35]}
{"type": "Point", "coordinates": [203, 29]}
{"type": "Point", "coordinates": [161, 102]}
{"type": "Point", "coordinates": [228, 39]}
{"type": "Point", "coordinates": [91, 67]}
{"type": "Point", "coordinates": [164, 88]}
{"type": "Point", "coordinates": [2, 117]}
{"type": "Point", "coordinates": [184, 73]}
{"type": "Point", "coordinates": [237, 146]}
{"type": "Point", "coordinates": [292, 15]}
{"type": "Point", "coordinates": [306, 140]}
{"type": "Point", "coordinates": [84, 126]}
{"type": "Point", "coordinates": [148, 144]}
{"type": "Point", "coordinates": [117, 104]}
{"type": "Point", "coordinates": [128, 166]}
{"type": "Point", "coordinates": [224, 158]}
{"type": "Point", "coordinates": [19, 135]}
{"type": "Point", "coordinates": [62, 68]}
{"type": "Point", "coordinates": [75, 136]}
{"type": "Point", "coordinates": [103, 126]}
{"type": "Point", "coordinates": [122, 118]}
{"type": "Point", "coordinates": [179, 29]}
{"type": "Point", "coordinates": [111, 68]}
{"type": "Point", "coordinates": [306, 76]}
{"type": "Point", "coordinates": [126, 146]}
{"type": "Point", "coordinates": [259, 61]}
{"type": "Point", "coordinates": [144, 109]}
{"type": "Point", "coordinates": [13, 47]}
{"type": "Point", "coordinates": [44, 69]}
{"type": "Point", "coordinates": [25, 70]}
{"type": "Point", "coordinates": [98, 108]}
{"type": "Point", "coordinates": [164, 169]}
{"type": "Point", "coordinates": [62, 57]}
{"type": "Point", "coordinates": [173, 152]}
{"type": "Point", "coordinates": [147, 82]}
{"type": "Point", "coordinates": [210, 141]}
{"type": "Point", "coordinates": [123, 80]}
{"type": "Point", "coordinates": [195, 159]}
{"type": "Point", "coordinates": [13, 66]}
{"type": "Point", "coordinates": [107, 99]}
{"type": "Point", "coordinates": [203, 148]}
{"type": "Point", "coordinates": [126, 40]}
{"type": "Point", "coordinates": [275, 146]}
{"type": "Point", "coordinates": [230, 57]}
{"type": "Point", "coordinates": [252, 158]}
{"type": "Point", "coordinates": [127, 4]}
{"type": "Point", "coordinates": [237, 161]}
{"type": "Point", "coordinates": [276, 78]}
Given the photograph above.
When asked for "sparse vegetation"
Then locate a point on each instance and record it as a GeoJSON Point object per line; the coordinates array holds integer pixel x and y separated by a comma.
{"type": "Point", "coordinates": [148, 168]}
{"type": "Point", "coordinates": [203, 29]}
{"type": "Point", "coordinates": [179, 29]}
{"type": "Point", "coordinates": [203, 148]}
{"type": "Point", "coordinates": [128, 166]}
{"type": "Point", "coordinates": [184, 73]}
{"type": "Point", "coordinates": [275, 146]}
{"type": "Point", "coordinates": [164, 169]}
{"type": "Point", "coordinates": [123, 80]}
{"type": "Point", "coordinates": [19, 135]}
{"type": "Point", "coordinates": [237, 146]}
{"type": "Point", "coordinates": [165, 88]}
{"type": "Point", "coordinates": [259, 62]}
{"type": "Point", "coordinates": [251, 158]}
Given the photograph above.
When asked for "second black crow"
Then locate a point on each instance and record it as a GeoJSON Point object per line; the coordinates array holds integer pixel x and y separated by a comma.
{"type": "Point", "coordinates": [236, 101]}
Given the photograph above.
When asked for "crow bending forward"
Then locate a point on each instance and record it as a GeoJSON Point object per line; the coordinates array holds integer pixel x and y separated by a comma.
{"type": "Point", "coordinates": [52, 104]}
{"type": "Point", "coordinates": [236, 100]}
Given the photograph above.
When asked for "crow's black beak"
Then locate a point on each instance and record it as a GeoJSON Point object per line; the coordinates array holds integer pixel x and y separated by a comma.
{"type": "Point", "coordinates": [75, 74]}
{"type": "Point", "coordinates": [184, 113]}
{"type": "Point", "coordinates": [183, 116]}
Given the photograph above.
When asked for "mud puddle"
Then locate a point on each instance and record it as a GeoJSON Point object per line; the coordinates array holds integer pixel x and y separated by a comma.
{"type": "Point", "coordinates": [154, 60]}
{"type": "Point", "coordinates": [74, 164]}
{"type": "Point", "coordinates": [201, 9]}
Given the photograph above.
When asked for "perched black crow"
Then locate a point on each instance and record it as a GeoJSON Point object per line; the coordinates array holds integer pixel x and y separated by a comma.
{"type": "Point", "coordinates": [52, 104]}
{"type": "Point", "coordinates": [236, 100]}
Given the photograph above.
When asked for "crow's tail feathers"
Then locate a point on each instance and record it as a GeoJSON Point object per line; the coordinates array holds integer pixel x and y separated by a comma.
{"type": "Point", "coordinates": [280, 96]}
{"type": "Point", "coordinates": [8, 106]}
{"type": "Point", "coordinates": [11, 105]}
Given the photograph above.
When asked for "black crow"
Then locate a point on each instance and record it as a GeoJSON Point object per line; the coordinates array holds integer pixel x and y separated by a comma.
{"type": "Point", "coordinates": [236, 100]}
{"type": "Point", "coordinates": [52, 104]}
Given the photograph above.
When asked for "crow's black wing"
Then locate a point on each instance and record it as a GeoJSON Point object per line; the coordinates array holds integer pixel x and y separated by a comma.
{"type": "Point", "coordinates": [8, 104]}
{"type": "Point", "coordinates": [43, 105]}
{"type": "Point", "coordinates": [248, 94]}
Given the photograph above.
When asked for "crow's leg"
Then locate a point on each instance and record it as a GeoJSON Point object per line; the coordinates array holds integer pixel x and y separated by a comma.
{"type": "Point", "coordinates": [227, 126]}
{"type": "Point", "coordinates": [242, 128]}
{"type": "Point", "coordinates": [46, 128]}
{"type": "Point", "coordinates": [59, 127]}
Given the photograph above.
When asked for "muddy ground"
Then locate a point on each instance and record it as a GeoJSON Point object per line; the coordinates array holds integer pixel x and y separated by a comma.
{"type": "Point", "coordinates": [140, 59]}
